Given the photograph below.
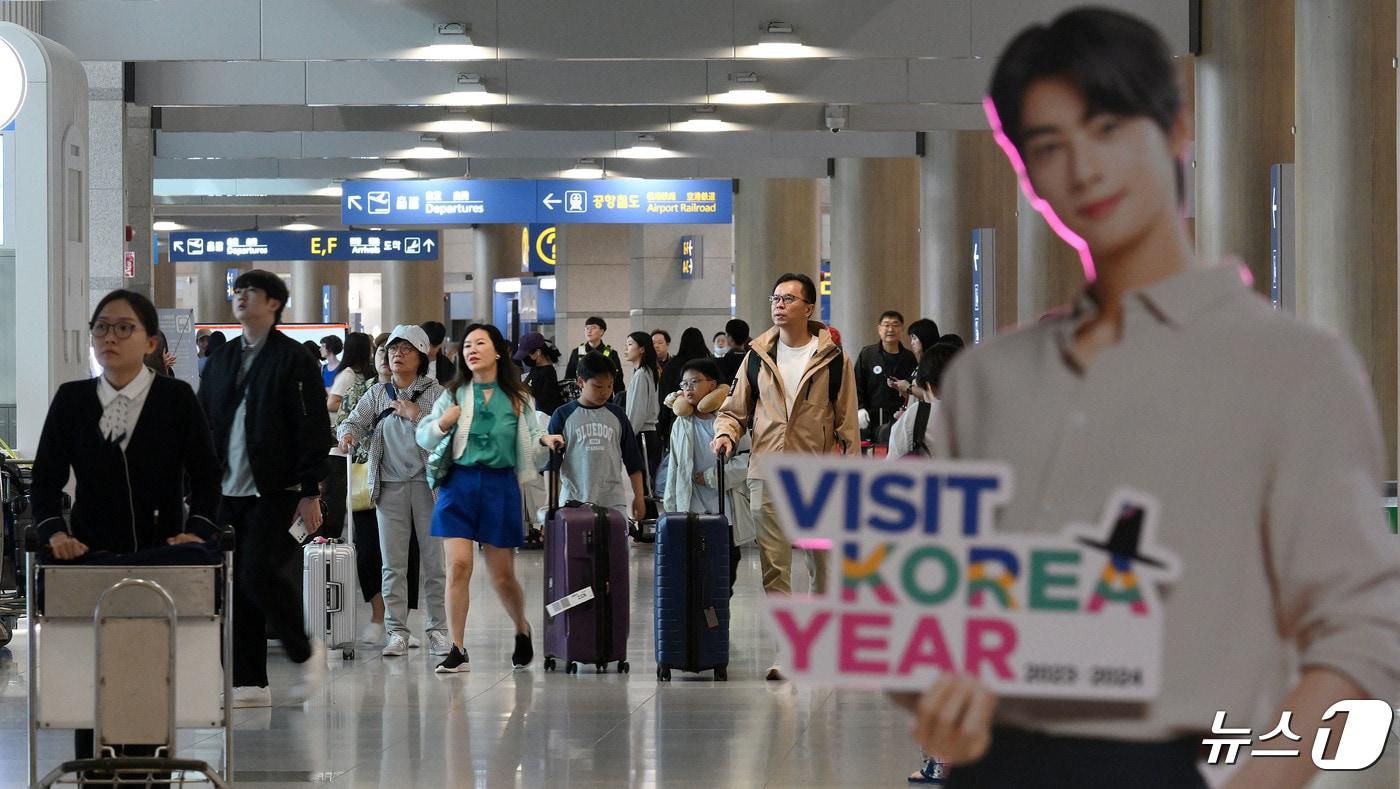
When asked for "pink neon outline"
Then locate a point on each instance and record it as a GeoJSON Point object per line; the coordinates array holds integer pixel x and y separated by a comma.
{"type": "Point", "coordinates": [1038, 203]}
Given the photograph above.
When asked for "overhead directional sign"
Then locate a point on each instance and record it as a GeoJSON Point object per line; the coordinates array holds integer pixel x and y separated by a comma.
{"type": "Point", "coordinates": [554, 201]}
{"type": "Point", "coordinates": [253, 245]}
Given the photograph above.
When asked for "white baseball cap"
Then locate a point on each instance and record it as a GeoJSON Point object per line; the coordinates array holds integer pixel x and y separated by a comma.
{"type": "Point", "coordinates": [413, 335]}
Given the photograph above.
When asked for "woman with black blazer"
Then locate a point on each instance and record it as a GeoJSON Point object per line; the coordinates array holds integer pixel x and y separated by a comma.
{"type": "Point", "coordinates": [131, 439]}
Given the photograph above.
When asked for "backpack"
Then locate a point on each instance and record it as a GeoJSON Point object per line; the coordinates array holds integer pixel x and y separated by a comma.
{"type": "Point", "coordinates": [752, 364]}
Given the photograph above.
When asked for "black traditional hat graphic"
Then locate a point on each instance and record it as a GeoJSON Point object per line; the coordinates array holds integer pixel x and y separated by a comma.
{"type": "Point", "coordinates": [1123, 540]}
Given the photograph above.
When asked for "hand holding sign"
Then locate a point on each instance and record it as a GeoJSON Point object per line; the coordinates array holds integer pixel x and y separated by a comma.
{"type": "Point", "coordinates": [927, 589]}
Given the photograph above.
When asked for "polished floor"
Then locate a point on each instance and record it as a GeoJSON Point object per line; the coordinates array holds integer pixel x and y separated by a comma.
{"type": "Point", "coordinates": [393, 722]}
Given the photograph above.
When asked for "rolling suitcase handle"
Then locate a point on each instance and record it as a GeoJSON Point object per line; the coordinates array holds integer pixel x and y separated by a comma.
{"type": "Point", "coordinates": [721, 458]}
{"type": "Point", "coordinates": [347, 533]}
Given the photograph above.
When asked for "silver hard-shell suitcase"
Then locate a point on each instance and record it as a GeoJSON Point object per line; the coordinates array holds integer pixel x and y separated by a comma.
{"type": "Point", "coordinates": [329, 586]}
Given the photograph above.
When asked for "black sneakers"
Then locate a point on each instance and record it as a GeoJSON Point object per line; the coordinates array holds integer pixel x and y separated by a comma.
{"type": "Point", "coordinates": [524, 651]}
{"type": "Point", "coordinates": [455, 662]}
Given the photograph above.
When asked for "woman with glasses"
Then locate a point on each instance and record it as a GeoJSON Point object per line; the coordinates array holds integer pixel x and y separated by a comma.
{"type": "Point", "coordinates": [388, 416]}
{"type": "Point", "coordinates": [130, 439]}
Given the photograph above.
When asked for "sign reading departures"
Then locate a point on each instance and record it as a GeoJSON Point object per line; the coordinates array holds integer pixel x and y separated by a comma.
{"type": "Point", "coordinates": [506, 201]}
{"type": "Point", "coordinates": [224, 246]}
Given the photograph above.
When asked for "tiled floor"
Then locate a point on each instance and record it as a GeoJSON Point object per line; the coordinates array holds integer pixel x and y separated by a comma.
{"type": "Point", "coordinates": [392, 722]}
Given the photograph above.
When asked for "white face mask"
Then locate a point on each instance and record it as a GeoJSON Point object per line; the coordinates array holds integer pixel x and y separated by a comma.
{"type": "Point", "coordinates": [720, 350]}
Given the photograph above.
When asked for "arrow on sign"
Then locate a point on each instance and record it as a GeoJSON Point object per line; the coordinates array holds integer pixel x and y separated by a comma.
{"type": "Point", "coordinates": [428, 244]}
{"type": "Point", "coordinates": [550, 201]}
{"type": "Point", "coordinates": [179, 246]}
{"type": "Point", "coordinates": [354, 203]}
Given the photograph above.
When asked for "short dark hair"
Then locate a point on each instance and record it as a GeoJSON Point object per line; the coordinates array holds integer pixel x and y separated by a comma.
{"type": "Point", "coordinates": [663, 333]}
{"type": "Point", "coordinates": [435, 330]}
{"type": "Point", "coordinates": [926, 330]}
{"type": "Point", "coordinates": [268, 283]}
{"type": "Point", "coordinates": [934, 363]}
{"type": "Point", "coordinates": [1118, 62]}
{"type": "Point", "coordinates": [738, 330]}
{"type": "Point", "coordinates": [707, 367]}
{"type": "Point", "coordinates": [592, 365]}
{"type": "Point", "coordinates": [809, 290]}
{"type": "Point", "coordinates": [719, 334]}
{"type": "Point", "coordinates": [594, 320]}
{"type": "Point", "coordinates": [892, 314]}
{"type": "Point", "coordinates": [358, 355]}
{"type": "Point", "coordinates": [333, 344]}
{"type": "Point", "coordinates": [142, 306]}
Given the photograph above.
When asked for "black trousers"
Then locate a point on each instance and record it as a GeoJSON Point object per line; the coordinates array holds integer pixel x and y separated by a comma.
{"type": "Point", "coordinates": [266, 583]}
{"type": "Point", "coordinates": [1019, 758]}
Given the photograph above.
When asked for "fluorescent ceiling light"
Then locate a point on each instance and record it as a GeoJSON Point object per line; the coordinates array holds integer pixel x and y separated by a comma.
{"type": "Point", "coordinates": [585, 168]}
{"type": "Point", "coordinates": [298, 223]}
{"type": "Point", "coordinates": [334, 190]}
{"type": "Point", "coordinates": [747, 89]}
{"type": "Point", "coordinates": [165, 226]}
{"type": "Point", "coordinates": [429, 147]}
{"type": "Point", "coordinates": [547, 283]}
{"type": "Point", "coordinates": [470, 92]}
{"type": "Point", "coordinates": [393, 168]}
{"type": "Point", "coordinates": [702, 119]}
{"type": "Point", "coordinates": [645, 147]}
{"type": "Point", "coordinates": [779, 40]}
{"type": "Point", "coordinates": [458, 122]}
{"type": "Point", "coordinates": [507, 286]}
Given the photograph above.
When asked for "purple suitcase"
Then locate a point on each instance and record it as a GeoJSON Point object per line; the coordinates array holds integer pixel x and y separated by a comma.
{"type": "Point", "coordinates": [585, 552]}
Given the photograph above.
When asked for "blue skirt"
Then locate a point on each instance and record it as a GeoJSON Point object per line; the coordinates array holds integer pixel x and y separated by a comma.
{"type": "Point", "coordinates": [480, 504]}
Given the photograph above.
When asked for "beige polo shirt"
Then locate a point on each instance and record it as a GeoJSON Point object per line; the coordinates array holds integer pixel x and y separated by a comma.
{"type": "Point", "coordinates": [1258, 434]}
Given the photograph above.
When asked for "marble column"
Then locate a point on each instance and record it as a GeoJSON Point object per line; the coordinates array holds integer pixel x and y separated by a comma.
{"type": "Point", "coordinates": [777, 228]}
{"type": "Point", "coordinates": [965, 183]}
{"type": "Point", "coordinates": [874, 244]}
{"type": "Point", "coordinates": [1345, 94]}
{"type": "Point", "coordinates": [106, 182]}
{"type": "Point", "coordinates": [138, 163]}
{"type": "Point", "coordinates": [594, 277]}
{"type": "Point", "coordinates": [308, 278]}
{"type": "Point", "coordinates": [412, 292]}
{"type": "Point", "coordinates": [498, 256]}
{"type": "Point", "coordinates": [213, 305]}
{"type": "Point", "coordinates": [1244, 118]}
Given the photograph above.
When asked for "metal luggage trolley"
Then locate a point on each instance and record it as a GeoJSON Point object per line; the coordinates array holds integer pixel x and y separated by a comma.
{"type": "Point", "coordinates": [129, 651]}
{"type": "Point", "coordinates": [14, 511]}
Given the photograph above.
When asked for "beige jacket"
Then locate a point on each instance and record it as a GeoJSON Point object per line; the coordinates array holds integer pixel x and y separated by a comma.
{"type": "Point", "coordinates": [816, 424]}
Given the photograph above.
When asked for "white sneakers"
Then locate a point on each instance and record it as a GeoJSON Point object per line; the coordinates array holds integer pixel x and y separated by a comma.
{"type": "Point", "coordinates": [313, 673]}
{"type": "Point", "coordinates": [439, 643]}
{"type": "Point", "coordinates": [248, 696]}
{"type": "Point", "coordinates": [396, 645]}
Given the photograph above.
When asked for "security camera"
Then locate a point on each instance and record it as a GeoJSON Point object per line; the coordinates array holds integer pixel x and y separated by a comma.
{"type": "Point", "coordinates": [837, 116]}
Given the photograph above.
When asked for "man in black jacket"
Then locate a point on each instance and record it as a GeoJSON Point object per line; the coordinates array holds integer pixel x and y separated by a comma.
{"type": "Point", "coordinates": [878, 365]}
{"type": "Point", "coordinates": [440, 368]}
{"type": "Point", "coordinates": [266, 406]}
{"type": "Point", "coordinates": [737, 329]}
{"type": "Point", "coordinates": [593, 330]}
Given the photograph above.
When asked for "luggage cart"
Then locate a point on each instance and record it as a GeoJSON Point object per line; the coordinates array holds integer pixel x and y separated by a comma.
{"type": "Point", "coordinates": [14, 512]}
{"type": "Point", "coordinates": [127, 651]}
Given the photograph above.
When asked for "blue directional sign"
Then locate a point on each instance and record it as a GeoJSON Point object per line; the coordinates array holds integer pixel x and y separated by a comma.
{"type": "Point", "coordinates": [554, 201]}
{"type": "Point", "coordinates": [254, 245]}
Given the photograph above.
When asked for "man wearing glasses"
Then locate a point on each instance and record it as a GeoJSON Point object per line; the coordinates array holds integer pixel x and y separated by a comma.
{"type": "Point", "coordinates": [794, 393]}
{"type": "Point", "coordinates": [267, 407]}
{"type": "Point", "coordinates": [877, 368]}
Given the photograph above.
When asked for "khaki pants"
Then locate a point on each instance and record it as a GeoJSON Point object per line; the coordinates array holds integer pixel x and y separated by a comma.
{"type": "Point", "coordinates": [774, 549]}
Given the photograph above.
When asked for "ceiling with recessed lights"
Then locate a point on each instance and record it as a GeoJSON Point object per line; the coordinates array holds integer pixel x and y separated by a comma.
{"type": "Point", "coordinates": [274, 101]}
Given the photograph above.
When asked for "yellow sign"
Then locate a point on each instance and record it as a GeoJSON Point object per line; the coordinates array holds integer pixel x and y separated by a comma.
{"type": "Point", "coordinates": [544, 246]}
{"type": "Point", "coordinates": [322, 246]}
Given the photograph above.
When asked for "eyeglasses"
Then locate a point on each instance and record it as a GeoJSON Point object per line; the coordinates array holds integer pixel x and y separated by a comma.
{"type": "Point", "coordinates": [786, 298]}
{"type": "Point", "coordinates": [121, 330]}
{"type": "Point", "coordinates": [694, 383]}
{"type": "Point", "coordinates": [400, 348]}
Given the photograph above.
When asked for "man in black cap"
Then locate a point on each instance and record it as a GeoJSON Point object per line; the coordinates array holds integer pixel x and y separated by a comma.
{"type": "Point", "coordinates": [266, 405]}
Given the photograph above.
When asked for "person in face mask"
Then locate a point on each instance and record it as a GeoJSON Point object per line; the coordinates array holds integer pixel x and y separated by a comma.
{"type": "Point", "coordinates": [721, 344]}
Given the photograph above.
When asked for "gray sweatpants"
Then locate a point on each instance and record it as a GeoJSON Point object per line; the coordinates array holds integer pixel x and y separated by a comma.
{"type": "Point", "coordinates": [403, 506]}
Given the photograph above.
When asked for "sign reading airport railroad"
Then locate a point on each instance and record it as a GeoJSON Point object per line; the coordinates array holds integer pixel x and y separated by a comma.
{"type": "Point", "coordinates": [925, 586]}
{"type": "Point", "coordinates": [507, 201]}
{"type": "Point", "coordinates": [223, 246]}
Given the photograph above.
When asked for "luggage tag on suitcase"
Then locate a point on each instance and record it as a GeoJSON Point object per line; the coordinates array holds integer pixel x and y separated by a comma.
{"type": "Point", "coordinates": [565, 603]}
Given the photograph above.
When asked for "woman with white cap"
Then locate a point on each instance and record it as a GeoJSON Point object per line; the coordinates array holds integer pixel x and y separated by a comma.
{"type": "Point", "coordinates": [388, 414]}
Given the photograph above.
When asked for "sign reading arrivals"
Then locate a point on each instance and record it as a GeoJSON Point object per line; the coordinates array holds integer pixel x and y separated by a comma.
{"type": "Point", "coordinates": [507, 201]}
{"type": "Point", "coordinates": [235, 246]}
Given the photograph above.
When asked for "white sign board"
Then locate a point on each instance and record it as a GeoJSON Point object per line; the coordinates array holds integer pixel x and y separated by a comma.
{"type": "Point", "coordinates": [178, 326]}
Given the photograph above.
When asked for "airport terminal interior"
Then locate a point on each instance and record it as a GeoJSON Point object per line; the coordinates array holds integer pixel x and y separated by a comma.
{"type": "Point", "coordinates": [408, 168]}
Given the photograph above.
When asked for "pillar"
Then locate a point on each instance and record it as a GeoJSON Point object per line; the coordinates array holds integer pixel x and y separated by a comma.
{"type": "Point", "coordinates": [965, 183]}
{"type": "Point", "coordinates": [412, 292]}
{"type": "Point", "coordinates": [498, 256]}
{"type": "Point", "coordinates": [138, 152]}
{"type": "Point", "coordinates": [1345, 94]}
{"type": "Point", "coordinates": [308, 278]}
{"type": "Point", "coordinates": [662, 299]}
{"type": "Point", "coordinates": [163, 282]}
{"type": "Point", "coordinates": [1244, 119]}
{"type": "Point", "coordinates": [777, 228]}
{"type": "Point", "coordinates": [1048, 271]}
{"type": "Point", "coordinates": [213, 305]}
{"type": "Point", "coordinates": [106, 182]}
{"type": "Point", "coordinates": [874, 244]}
{"type": "Point", "coordinates": [594, 277]}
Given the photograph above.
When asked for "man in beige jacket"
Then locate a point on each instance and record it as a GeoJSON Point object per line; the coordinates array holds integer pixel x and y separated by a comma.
{"type": "Point", "coordinates": [795, 392]}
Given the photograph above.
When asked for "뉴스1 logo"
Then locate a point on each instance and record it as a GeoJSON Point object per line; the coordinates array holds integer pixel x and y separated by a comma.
{"type": "Point", "coordinates": [1359, 742]}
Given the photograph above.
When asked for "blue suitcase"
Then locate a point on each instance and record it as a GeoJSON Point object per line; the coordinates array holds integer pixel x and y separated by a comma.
{"type": "Point", "coordinates": [692, 592]}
